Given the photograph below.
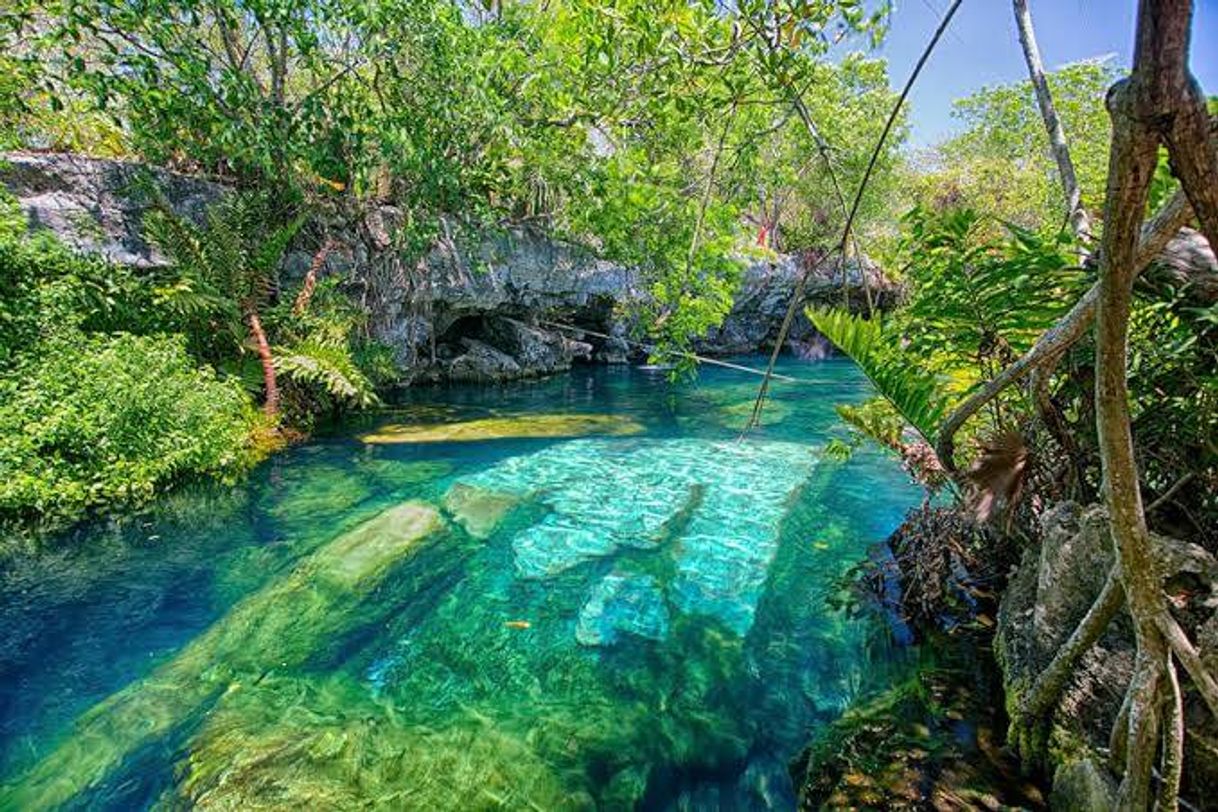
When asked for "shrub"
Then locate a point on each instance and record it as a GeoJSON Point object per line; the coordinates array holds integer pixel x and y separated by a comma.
{"type": "Point", "coordinates": [96, 421]}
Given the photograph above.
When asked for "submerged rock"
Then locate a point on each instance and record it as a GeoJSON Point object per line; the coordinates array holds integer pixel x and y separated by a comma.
{"type": "Point", "coordinates": [301, 743]}
{"type": "Point", "coordinates": [476, 510]}
{"type": "Point", "coordinates": [722, 503]}
{"type": "Point", "coordinates": [297, 620]}
{"type": "Point", "coordinates": [622, 603]}
{"type": "Point", "coordinates": [500, 428]}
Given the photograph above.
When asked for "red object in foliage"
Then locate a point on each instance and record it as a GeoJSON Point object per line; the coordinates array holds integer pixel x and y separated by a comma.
{"type": "Point", "coordinates": [762, 235]}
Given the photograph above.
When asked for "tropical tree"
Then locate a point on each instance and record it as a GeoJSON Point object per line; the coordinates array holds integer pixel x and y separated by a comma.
{"type": "Point", "coordinates": [224, 275]}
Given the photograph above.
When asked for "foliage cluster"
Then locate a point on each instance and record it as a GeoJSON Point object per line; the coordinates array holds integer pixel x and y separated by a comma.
{"type": "Point", "coordinates": [96, 408]}
{"type": "Point", "coordinates": [977, 303]}
{"type": "Point", "coordinates": [649, 131]}
{"type": "Point", "coordinates": [1000, 162]}
{"type": "Point", "coordinates": [117, 383]}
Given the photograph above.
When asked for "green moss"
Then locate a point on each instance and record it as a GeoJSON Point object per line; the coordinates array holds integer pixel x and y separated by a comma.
{"type": "Point", "coordinates": [286, 625]}
{"type": "Point", "coordinates": [499, 428]}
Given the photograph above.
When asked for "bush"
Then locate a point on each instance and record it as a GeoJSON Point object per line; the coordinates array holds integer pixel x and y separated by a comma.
{"type": "Point", "coordinates": [91, 421]}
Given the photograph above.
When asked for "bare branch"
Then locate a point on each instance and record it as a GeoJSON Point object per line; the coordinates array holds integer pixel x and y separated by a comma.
{"type": "Point", "coordinates": [1079, 221]}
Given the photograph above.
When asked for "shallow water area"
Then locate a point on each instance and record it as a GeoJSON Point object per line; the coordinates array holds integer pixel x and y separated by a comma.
{"type": "Point", "coordinates": [585, 592]}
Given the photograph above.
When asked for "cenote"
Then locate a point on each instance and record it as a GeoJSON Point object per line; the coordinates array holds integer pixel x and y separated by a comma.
{"type": "Point", "coordinates": [575, 593]}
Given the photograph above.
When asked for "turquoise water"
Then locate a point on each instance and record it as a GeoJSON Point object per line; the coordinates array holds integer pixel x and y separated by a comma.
{"type": "Point", "coordinates": [437, 608]}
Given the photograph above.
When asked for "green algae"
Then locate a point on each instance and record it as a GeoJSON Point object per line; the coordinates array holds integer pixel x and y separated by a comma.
{"type": "Point", "coordinates": [283, 626]}
{"type": "Point", "coordinates": [292, 743]}
{"type": "Point", "coordinates": [500, 428]}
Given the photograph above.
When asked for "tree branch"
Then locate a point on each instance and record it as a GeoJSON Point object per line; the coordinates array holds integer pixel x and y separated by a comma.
{"type": "Point", "coordinates": [1079, 221]}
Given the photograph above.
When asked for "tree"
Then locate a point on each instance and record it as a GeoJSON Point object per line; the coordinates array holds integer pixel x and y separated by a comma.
{"type": "Point", "coordinates": [1077, 214]}
{"type": "Point", "coordinates": [1160, 104]}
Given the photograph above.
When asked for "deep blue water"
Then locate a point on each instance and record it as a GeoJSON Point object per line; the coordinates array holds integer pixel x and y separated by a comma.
{"type": "Point", "coordinates": [630, 616]}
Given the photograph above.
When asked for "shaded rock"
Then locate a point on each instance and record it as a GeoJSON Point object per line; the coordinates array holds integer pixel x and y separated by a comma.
{"type": "Point", "coordinates": [1081, 786]}
{"type": "Point", "coordinates": [622, 603]}
{"type": "Point", "coordinates": [482, 363]}
{"type": "Point", "coordinates": [765, 294]}
{"type": "Point", "coordinates": [1187, 265]}
{"type": "Point", "coordinates": [536, 350]}
{"type": "Point", "coordinates": [1075, 557]}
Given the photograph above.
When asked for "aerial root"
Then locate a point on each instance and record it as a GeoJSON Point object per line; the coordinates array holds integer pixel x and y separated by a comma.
{"type": "Point", "coordinates": [1048, 687]}
{"type": "Point", "coordinates": [1142, 734]}
{"type": "Point", "coordinates": [1173, 739]}
{"type": "Point", "coordinates": [1183, 648]}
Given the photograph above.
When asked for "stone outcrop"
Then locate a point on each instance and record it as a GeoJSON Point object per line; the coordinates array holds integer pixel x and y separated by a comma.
{"type": "Point", "coordinates": [96, 206]}
{"type": "Point", "coordinates": [485, 308]}
{"type": "Point", "coordinates": [765, 294]}
{"type": "Point", "coordinates": [1047, 596]}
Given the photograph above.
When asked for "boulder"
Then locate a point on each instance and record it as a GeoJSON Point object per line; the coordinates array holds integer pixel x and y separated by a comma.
{"type": "Point", "coordinates": [1048, 594]}
{"type": "Point", "coordinates": [482, 363]}
{"type": "Point", "coordinates": [765, 294]}
{"type": "Point", "coordinates": [1081, 786]}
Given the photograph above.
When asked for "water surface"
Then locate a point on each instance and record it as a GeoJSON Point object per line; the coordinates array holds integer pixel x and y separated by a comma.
{"type": "Point", "coordinates": [630, 614]}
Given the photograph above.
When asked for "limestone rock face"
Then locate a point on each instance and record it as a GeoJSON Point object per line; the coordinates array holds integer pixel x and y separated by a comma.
{"type": "Point", "coordinates": [485, 307]}
{"type": "Point", "coordinates": [766, 291]}
{"type": "Point", "coordinates": [1049, 593]}
{"type": "Point", "coordinates": [94, 205]}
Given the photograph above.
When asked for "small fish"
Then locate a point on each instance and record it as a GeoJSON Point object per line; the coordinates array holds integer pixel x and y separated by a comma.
{"type": "Point", "coordinates": [821, 545]}
{"type": "Point", "coordinates": [518, 624]}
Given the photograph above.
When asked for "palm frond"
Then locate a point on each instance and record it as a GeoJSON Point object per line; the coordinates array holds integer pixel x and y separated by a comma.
{"type": "Point", "coordinates": [328, 367]}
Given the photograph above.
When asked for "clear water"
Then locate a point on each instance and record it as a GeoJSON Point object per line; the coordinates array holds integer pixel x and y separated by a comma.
{"type": "Point", "coordinates": [631, 618]}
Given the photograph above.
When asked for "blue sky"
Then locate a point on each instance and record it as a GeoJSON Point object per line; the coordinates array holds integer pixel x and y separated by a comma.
{"type": "Point", "coordinates": [981, 48]}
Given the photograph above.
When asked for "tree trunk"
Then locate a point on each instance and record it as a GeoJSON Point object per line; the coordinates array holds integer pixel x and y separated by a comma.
{"type": "Point", "coordinates": [1141, 107]}
{"type": "Point", "coordinates": [1079, 221]}
{"type": "Point", "coordinates": [269, 381]}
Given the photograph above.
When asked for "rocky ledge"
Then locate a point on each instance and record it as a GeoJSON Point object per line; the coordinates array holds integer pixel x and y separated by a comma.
{"type": "Point", "coordinates": [1047, 596]}
{"type": "Point", "coordinates": [509, 304]}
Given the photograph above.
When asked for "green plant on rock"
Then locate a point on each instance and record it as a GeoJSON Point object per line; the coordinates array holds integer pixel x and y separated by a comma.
{"type": "Point", "coordinates": [223, 291]}
{"type": "Point", "coordinates": [224, 275]}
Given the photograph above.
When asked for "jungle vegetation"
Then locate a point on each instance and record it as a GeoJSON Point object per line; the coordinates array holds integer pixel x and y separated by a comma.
{"type": "Point", "coordinates": [668, 136]}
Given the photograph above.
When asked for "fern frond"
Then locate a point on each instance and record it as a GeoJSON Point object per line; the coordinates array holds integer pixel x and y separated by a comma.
{"type": "Point", "coordinates": [918, 396]}
{"type": "Point", "coordinates": [328, 367]}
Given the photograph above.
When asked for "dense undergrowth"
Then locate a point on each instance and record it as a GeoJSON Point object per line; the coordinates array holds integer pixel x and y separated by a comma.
{"type": "Point", "coordinates": [119, 383]}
